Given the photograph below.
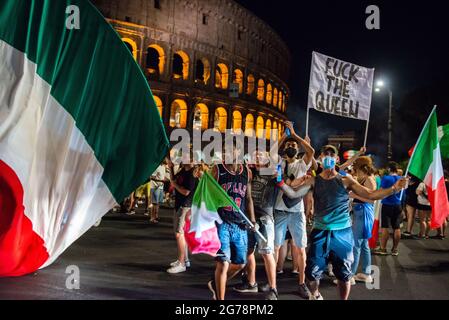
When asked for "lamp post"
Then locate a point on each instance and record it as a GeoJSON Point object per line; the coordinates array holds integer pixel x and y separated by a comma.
{"type": "Point", "coordinates": [379, 85]}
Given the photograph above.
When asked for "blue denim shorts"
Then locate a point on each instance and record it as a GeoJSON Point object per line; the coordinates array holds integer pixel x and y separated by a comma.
{"type": "Point", "coordinates": [234, 243]}
{"type": "Point", "coordinates": [295, 222]}
{"type": "Point", "coordinates": [335, 246]}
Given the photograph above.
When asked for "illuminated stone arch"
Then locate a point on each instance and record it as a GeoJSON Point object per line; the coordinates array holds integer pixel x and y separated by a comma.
{"type": "Point", "coordinates": [275, 133]}
{"type": "Point", "coordinates": [275, 97]}
{"type": "Point", "coordinates": [178, 114]}
{"type": "Point", "coordinates": [268, 130]}
{"type": "Point", "coordinates": [249, 125]}
{"type": "Point", "coordinates": [281, 100]}
{"type": "Point", "coordinates": [284, 104]}
{"type": "Point", "coordinates": [181, 63]}
{"type": "Point", "coordinates": [159, 105]}
{"type": "Point", "coordinates": [238, 78]}
{"type": "Point", "coordinates": [260, 126]}
{"type": "Point", "coordinates": [237, 122]}
{"type": "Point", "coordinates": [261, 90]}
{"type": "Point", "coordinates": [155, 62]}
{"type": "Point", "coordinates": [250, 86]}
{"type": "Point", "coordinates": [220, 119]}
{"type": "Point", "coordinates": [131, 45]}
{"type": "Point", "coordinates": [269, 97]}
{"type": "Point", "coordinates": [201, 117]}
{"type": "Point", "coordinates": [221, 76]}
{"type": "Point", "coordinates": [203, 71]}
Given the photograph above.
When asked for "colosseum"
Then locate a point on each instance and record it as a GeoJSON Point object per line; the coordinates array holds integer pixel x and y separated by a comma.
{"type": "Point", "coordinates": [209, 63]}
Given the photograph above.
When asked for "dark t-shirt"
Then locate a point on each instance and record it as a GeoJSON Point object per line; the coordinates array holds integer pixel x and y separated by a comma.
{"type": "Point", "coordinates": [263, 193]}
{"type": "Point", "coordinates": [186, 180]}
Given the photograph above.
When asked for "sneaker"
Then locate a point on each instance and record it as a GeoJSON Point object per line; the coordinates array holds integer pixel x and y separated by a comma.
{"type": "Point", "coordinates": [187, 263]}
{"type": "Point", "coordinates": [213, 289]}
{"type": "Point", "coordinates": [318, 297]}
{"type": "Point", "coordinates": [352, 281]}
{"type": "Point", "coordinates": [272, 294]}
{"type": "Point", "coordinates": [303, 291]}
{"type": "Point", "coordinates": [361, 277]}
{"type": "Point", "coordinates": [295, 272]}
{"type": "Point", "coordinates": [246, 287]}
{"type": "Point", "coordinates": [381, 252]}
{"type": "Point", "coordinates": [265, 287]}
{"type": "Point", "coordinates": [406, 235]}
{"type": "Point", "coordinates": [177, 268]}
{"type": "Point", "coordinates": [394, 252]}
{"type": "Point", "coordinates": [279, 271]}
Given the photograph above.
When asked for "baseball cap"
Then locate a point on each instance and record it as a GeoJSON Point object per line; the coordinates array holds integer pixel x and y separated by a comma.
{"type": "Point", "coordinates": [329, 147]}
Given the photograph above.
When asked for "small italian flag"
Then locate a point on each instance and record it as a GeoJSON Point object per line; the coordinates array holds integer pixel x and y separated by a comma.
{"type": "Point", "coordinates": [201, 230]}
{"type": "Point", "coordinates": [79, 129]}
{"type": "Point", "coordinates": [426, 164]}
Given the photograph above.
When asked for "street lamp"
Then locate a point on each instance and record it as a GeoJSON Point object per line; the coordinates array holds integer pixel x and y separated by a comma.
{"type": "Point", "coordinates": [380, 84]}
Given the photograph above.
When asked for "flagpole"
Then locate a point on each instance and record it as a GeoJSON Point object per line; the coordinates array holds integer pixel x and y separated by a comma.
{"type": "Point", "coordinates": [414, 149]}
{"type": "Point", "coordinates": [252, 226]}
{"type": "Point", "coordinates": [366, 133]}
{"type": "Point", "coordinates": [307, 122]}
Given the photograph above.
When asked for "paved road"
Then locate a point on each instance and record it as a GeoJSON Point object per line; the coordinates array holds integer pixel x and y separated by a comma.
{"type": "Point", "coordinates": [126, 258]}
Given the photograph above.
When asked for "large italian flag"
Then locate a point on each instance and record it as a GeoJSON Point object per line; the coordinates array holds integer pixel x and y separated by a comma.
{"type": "Point", "coordinates": [79, 129]}
{"type": "Point", "coordinates": [426, 164]}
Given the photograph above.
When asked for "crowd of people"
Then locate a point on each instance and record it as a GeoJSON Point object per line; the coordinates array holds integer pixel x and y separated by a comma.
{"type": "Point", "coordinates": [338, 201]}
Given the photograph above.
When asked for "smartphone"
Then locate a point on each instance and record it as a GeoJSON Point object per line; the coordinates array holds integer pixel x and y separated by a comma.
{"type": "Point", "coordinates": [287, 130]}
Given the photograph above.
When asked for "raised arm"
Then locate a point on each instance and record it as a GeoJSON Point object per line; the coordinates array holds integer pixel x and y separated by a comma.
{"type": "Point", "coordinates": [309, 151]}
{"type": "Point", "coordinates": [348, 163]}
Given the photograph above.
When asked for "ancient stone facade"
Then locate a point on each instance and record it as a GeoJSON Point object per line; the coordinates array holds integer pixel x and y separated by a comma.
{"type": "Point", "coordinates": [209, 63]}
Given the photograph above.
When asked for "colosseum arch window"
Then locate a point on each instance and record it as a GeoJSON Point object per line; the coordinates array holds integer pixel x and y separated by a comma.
{"type": "Point", "coordinates": [155, 59]}
{"type": "Point", "coordinates": [238, 78]}
{"type": "Point", "coordinates": [260, 124]}
{"type": "Point", "coordinates": [220, 119]}
{"type": "Point", "coordinates": [281, 100]}
{"type": "Point", "coordinates": [275, 97]}
{"type": "Point", "coordinates": [268, 130]}
{"type": "Point", "coordinates": [249, 125]}
{"type": "Point", "coordinates": [202, 72]}
{"type": "Point", "coordinates": [269, 93]}
{"type": "Point", "coordinates": [201, 117]}
{"type": "Point", "coordinates": [221, 76]}
{"type": "Point", "coordinates": [284, 105]}
{"type": "Point", "coordinates": [181, 65]}
{"type": "Point", "coordinates": [237, 122]}
{"type": "Point", "coordinates": [159, 106]}
{"type": "Point", "coordinates": [281, 128]}
{"type": "Point", "coordinates": [275, 132]}
{"type": "Point", "coordinates": [132, 46]}
{"type": "Point", "coordinates": [251, 82]}
{"type": "Point", "coordinates": [178, 114]}
{"type": "Point", "coordinates": [261, 90]}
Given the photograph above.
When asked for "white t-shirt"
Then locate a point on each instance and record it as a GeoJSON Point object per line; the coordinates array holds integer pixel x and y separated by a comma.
{"type": "Point", "coordinates": [159, 174]}
{"type": "Point", "coordinates": [298, 169]}
{"type": "Point", "coordinates": [422, 199]}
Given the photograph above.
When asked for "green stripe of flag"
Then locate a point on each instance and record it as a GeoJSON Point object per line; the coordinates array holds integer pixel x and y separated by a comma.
{"type": "Point", "coordinates": [444, 141]}
{"type": "Point", "coordinates": [121, 123]}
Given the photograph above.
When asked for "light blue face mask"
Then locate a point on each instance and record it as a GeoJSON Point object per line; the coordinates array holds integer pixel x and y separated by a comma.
{"type": "Point", "coordinates": [329, 162]}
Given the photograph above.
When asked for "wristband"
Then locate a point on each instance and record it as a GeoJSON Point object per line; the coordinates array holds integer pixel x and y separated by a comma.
{"type": "Point", "coordinates": [280, 184]}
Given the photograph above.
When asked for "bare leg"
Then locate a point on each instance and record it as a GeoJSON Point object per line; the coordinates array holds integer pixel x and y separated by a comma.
{"type": "Point", "coordinates": [181, 242]}
{"type": "Point", "coordinates": [344, 288]}
{"type": "Point", "coordinates": [396, 238]}
{"type": "Point", "coordinates": [270, 269]}
{"type": "Point", "coordinates": [300, 257]}
{"type": "Point", "coordinates": [384, 239]}
{"type": "Point", "coordinates": [428, 222]}
{"type": "Point", "coordinates": [313, 287]}
{"type": "Point", "coordinates": [221, 275]}
{"type": "Point", "coordinates": [251, 268]}
{"type": "Point", "coordinates": [410, 218]}
{"type": "Point", "coordinates": [422, 223]}
{"type": "Point", "coordinates": [131, 202]}
{"type": "Point", "coordinates": [280, 255]}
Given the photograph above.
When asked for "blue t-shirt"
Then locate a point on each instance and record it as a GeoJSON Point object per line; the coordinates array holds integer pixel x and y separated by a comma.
{"type": "Point", "coordinates": [388, 182]}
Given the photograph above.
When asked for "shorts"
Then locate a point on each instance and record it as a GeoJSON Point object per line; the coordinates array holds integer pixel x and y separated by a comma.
{"type": "Point", "coordinates": [335, 246]}
{"type": "Point", "coordinates": [180, 219]}
{"type": "Point", "coordinates": [266, 228]}
{"type": "Point", "coordinates": [234, 243]}
{"type": "Point", "coordinates": [423, 207]}
{"type": "Point", "coordinates": [295, 222]}
{"type": "Point", "coordinates": [157, 196]}
{"type": "Point", "coordinates": [391, 215]}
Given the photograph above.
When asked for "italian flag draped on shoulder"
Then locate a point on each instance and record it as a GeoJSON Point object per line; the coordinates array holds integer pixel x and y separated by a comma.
{"type": "Point", "coordinates": [426, 164]}
{"type": "Point", "coordinates": [79, 128]}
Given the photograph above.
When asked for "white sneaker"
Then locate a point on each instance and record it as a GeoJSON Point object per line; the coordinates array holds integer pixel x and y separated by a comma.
{"type": "Point", "coordinates": [178, 268]}
{"type": "Point", "coordinates": [352, 281]}
{"type": "Point", "coordinates": [174, 263]}
{"type": "Point", "coordinates": [319, 297]}
{"type": "Point", "coordinates": [361, 277]}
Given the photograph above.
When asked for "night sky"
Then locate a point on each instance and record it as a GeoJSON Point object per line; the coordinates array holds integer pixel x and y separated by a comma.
{"type": "Point", "coordinates": [410, 53]}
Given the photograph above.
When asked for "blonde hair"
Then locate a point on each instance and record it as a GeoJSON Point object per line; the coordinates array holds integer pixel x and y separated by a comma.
{"type": "Point", "coordinates": [365, 164]}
